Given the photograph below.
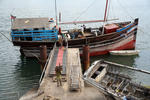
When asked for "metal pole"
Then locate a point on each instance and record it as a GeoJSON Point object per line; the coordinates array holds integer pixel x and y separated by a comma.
{"type": "Point", "coordinates": [56, 12]}
{"type": "Point", "coordinates": [105, 16]}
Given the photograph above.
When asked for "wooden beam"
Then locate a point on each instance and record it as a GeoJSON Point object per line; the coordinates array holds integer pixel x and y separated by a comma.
{"type": "Point", "coordinates": [84, 22]}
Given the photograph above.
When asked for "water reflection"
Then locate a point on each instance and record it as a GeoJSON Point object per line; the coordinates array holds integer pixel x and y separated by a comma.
{"type": "Point", "coordinates": [27, 74]}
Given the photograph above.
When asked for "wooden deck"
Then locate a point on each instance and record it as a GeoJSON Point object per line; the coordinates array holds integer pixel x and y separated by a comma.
{"type": "Point", "coordinates": [31, 23]}
{"type": "Point", "coordinates": [72, 89]}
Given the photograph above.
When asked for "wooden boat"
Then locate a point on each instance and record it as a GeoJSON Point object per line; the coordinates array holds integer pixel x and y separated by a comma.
{"type": "Point", "coordinates": [124, 52]}
{"type": "Point", "coordinates": [108, 80]}
{"type": "Point", "coordinates": [30, 40]}
{"type": "Point", "coordinates": [30, 33]}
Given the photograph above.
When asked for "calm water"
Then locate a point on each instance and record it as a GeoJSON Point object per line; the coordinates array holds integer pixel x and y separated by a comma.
{"type": "Point", "coordinates": [19, 74]}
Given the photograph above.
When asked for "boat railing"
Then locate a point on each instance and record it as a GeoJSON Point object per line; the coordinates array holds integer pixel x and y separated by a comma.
{"type": "Point", "coordinates": [34, 35]}
{"type": "Point", "coordinates": [124, 28]}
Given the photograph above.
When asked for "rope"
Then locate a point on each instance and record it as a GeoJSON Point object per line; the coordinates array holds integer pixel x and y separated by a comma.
{"type": "Point", "coordinates": [112, 11]}
{"type": "Point", "coordinates": [140, 28]}
{"type": "Point", "coordinates": [84, 11]}
{"type": "Point", "coordinates": [5, 37]}
{"type": "Point", "coordinates": [125, 10]}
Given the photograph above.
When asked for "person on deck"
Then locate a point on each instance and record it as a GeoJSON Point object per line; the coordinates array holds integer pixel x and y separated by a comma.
{"type": "Point", "coordinates": [58, 70]}
{"type": "Point", "coordinates": [83, 28]}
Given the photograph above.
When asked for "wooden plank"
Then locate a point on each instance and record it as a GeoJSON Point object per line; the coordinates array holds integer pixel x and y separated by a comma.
{"type": "Point", "coordinates": [74, 68]}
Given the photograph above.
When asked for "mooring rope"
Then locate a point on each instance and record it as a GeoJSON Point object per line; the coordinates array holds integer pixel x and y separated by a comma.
{"type": "Point", "coordinates": [84, 11]}
{"type": "Point", "coordinates": [125, 9]}
{"type": "Point", "coordinates": [5, 37]}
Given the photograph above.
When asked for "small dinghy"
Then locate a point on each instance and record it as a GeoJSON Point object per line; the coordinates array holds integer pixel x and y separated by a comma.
{"type": "Point", "coordinates": [125, 52]}
{"type": "Point", "coordinates": [109, 80]}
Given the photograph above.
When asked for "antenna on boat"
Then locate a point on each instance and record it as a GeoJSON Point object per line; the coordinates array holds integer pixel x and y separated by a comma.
{"type": "Point", "coordinates": [105, 15]}
{"type": "Point", "coordinates": [56, 12]}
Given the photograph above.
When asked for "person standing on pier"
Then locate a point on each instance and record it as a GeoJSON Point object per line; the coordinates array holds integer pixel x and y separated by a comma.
{"type": "Point", "coordinates": [58, 70]}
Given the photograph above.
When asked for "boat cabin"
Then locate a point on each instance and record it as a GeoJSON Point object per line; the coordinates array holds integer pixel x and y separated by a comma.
{"type": "Point", "coordinates": [33, 29]}
{"type": "Point", "coordinates": [109, 28]}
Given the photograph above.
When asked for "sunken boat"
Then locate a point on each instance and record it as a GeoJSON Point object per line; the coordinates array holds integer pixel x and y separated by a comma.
{"type": "Point", "coordinates": [106, 77]}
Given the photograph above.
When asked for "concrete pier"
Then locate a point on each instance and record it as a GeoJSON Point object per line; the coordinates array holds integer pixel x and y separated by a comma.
{"type": "Point", "coordinates": [72, 84]}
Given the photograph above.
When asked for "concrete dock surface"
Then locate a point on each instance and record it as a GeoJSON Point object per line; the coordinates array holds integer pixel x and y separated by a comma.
{"type": "Point", "coordinates": [48, 89]}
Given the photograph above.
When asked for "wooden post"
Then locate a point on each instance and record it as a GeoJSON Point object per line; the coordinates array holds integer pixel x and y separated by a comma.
{"type": "Point", "coordinates": [43, 56]}
{"type": "Point", "coordinates": [86, 57]}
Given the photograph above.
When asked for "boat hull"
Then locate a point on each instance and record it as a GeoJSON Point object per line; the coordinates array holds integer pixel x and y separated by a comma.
{"type": "Point", "coordinates": [125, 43]}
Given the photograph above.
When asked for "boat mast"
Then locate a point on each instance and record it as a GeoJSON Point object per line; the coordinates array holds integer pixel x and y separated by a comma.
{"type": "Point", "coordinates": [56, 12]}
{"type": "Point", "coordinates": [105, 16]}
